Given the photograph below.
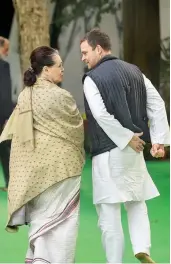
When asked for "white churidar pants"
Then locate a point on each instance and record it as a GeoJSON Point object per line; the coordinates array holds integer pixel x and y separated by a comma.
{"type": "Point", "coordinates": [112, 233]}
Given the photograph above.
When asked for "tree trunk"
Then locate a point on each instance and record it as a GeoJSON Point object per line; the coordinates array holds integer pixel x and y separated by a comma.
{"type": "Point", "coordinates": [141, 25]}
{"type": "Point", "coordinates": [33, 27]}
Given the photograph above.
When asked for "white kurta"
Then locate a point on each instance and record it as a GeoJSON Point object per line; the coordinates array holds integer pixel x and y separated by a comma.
{"type": "Point", "coordinates": [120, 175]}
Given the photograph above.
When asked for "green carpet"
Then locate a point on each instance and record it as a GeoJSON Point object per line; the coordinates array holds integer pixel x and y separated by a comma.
{"type": "Point", "coordinates": [89, 250]}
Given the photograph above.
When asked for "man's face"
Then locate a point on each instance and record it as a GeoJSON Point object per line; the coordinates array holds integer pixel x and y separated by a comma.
{"type": "Point", "coordinates": [5, 49]}
{"type": "Point", "coordinates": [89, 56]}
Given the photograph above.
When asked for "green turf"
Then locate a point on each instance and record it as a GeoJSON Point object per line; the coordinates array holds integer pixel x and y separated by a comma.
{"type": "Point", "coordinates": [89, 250]}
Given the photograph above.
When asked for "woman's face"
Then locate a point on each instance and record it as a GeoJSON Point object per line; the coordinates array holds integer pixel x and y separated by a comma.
{"type": "Point", "coordinates": [55, 73]}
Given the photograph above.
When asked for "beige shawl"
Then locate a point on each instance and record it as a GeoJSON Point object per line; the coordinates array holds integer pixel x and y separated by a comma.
{"type": "Point", "coordinates": [46, 129]}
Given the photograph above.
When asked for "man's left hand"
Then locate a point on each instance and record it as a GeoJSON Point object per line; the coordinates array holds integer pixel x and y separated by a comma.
{"type": "Point", "coordinates": [157, 150]}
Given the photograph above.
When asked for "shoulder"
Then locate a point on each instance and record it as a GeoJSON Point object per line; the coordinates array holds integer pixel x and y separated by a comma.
{"type": "Point", "coordinates": [23, 93]}
{"type": "Point", "coordinates": [4, 64]}
{"type": "Point", "coordinates": [89, 84]}
{"type": "Point", "coordinates": [88, 80]}
{"type": "Point", "coordinates": [66, 101]}
{"type": "Point", "coordinates": [63, 95]}
{"type": "Point", "coordinates": [128, 65]}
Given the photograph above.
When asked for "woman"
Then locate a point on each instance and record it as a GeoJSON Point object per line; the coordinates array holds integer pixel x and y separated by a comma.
{"type": "Point", "coordinates": [46, 161]}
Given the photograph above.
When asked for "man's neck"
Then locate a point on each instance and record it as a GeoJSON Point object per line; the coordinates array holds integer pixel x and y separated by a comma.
{"type": "Point", "coordinates": [106, 53]}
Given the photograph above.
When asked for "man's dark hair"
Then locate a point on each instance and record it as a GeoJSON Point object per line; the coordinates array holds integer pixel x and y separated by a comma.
{"type": "Point", "coordinates": [97, 37]}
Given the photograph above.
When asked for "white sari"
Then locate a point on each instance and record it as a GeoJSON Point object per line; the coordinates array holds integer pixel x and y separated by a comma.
{"type": "Point", "coordinates": [53, 219]}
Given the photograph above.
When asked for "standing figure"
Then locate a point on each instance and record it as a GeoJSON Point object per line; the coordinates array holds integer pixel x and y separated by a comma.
{"type": "Point", "coordinates": [124, 111]}
{"type": "Point", "coordinates": [6, 106]}
{"type": "Point", "coordinates": [46, 161]}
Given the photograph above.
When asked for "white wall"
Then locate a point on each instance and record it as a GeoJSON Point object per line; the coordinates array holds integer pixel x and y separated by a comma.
{"type": "Point", "coordinates": [73, 65]}
{"type": "Point", "coordinates": [164, 18]}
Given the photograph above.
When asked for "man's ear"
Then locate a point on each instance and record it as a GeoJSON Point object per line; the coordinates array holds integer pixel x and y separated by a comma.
{"type": "Point", "coordinates": [99, 49]}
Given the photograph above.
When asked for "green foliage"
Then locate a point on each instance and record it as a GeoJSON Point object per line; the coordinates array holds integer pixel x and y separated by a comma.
{"type": "Point", "coordinates": [74, 9]}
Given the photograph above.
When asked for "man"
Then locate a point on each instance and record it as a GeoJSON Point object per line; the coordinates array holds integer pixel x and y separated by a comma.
{"type": "Point", "coordinates": [5, 106]}
{"type": "Point", "coordinates": [120, 102]}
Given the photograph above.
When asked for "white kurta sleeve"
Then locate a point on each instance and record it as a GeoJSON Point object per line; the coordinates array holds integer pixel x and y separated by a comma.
{"type": "Point", "coordinates": [156, 112]}
{"type": "Point", "coordinates": [111, 126]}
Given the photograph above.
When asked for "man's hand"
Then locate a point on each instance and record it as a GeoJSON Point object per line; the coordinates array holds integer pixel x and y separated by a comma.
{"type": "Point", "coordinates": [157, 150]}
{"type": "Point", "coordinates": [136, 143]}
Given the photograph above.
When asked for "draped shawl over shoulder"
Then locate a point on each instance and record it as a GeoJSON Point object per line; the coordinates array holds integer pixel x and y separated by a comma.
{"type": "Point", "coordinates": [47, 135]}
